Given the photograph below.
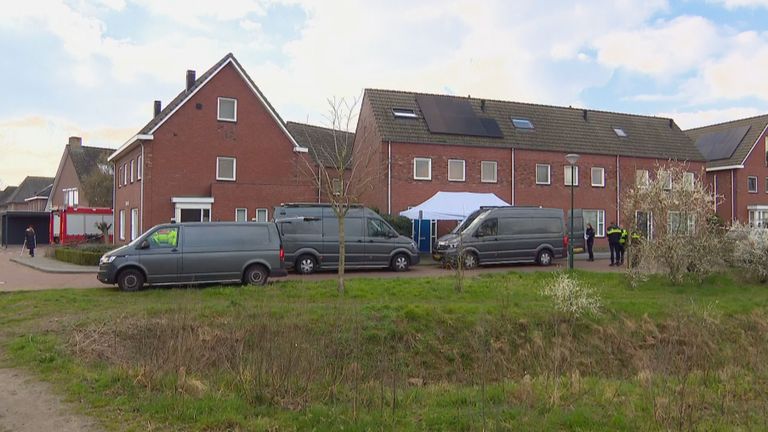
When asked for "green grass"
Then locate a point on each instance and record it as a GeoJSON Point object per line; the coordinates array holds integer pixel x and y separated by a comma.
{"type": "Point", "coordinates": [299, 356]}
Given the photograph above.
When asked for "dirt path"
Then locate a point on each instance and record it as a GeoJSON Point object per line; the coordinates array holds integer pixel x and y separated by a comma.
{"type": "Point", "coordinates": [28, 405]}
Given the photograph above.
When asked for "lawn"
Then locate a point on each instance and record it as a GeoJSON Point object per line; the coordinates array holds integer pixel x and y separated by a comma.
{"type": "Point", "coordinates": [402, 354]}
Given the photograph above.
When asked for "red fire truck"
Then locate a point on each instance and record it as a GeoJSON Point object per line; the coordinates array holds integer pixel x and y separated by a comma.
{"type": "Point", "coordinates": [79, 225]}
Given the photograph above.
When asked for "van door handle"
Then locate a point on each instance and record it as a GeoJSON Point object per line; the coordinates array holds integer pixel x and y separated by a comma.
{"type": "Point", "coordinates": [174, 250]}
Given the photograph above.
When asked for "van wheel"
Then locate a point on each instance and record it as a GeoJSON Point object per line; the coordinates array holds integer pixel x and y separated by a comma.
{"type": "Point", "coordinates": [400, 263]}
{"type": "Point", "coordinates": [544, 258]}
{"type": "Point", "coordinates": [130, 280]}
{"type": "Point", "coordinates": [470, 260]}
{"type": "Point", "coordinates": [256, 275]}
{"type": "Point", "coordinates": [306, 264]}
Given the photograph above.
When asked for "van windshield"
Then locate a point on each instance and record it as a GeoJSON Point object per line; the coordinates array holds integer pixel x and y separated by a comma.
{"type": "Point", "coordinates": [468, 221]}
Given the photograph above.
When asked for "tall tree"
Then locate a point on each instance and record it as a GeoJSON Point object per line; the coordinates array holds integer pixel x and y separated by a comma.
{"type": "Point", "coordinates": [98, 184]}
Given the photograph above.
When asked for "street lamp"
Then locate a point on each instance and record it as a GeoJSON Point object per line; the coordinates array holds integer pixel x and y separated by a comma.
{"type": "Point", "coordinates": [572, 158]}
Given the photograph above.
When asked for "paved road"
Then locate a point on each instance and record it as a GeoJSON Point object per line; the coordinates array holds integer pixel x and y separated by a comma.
{"type": "Point", "coordinates": [16, 277]}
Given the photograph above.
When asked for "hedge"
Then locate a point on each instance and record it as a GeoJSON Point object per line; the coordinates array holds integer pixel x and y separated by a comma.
{"type": "Point", "coordinates": [78, 256]}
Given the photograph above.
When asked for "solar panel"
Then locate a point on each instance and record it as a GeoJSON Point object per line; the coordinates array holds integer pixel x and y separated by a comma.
{"type": "Point", "coordinates": [721, 145]}
{"type": "Point", "coordinates": [450, 115]}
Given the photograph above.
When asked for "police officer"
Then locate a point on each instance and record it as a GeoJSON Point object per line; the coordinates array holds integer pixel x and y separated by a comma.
{"type": "Point", "coordinates": [614, 235]}
{"type": "Point", "coordinates": [623, 245]}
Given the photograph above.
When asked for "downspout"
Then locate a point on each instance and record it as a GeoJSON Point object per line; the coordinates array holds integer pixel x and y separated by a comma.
{"type": "Point", "coordinates": [733, 199]}
{"type": "Point", "coordinates": [618, 192]}
{"type": "Point", "coordinates": [141, 197]}
{"type": "Point", "coordinates": [513, 177]}
{"type": "Point", "coordinates": [319, 183]}
{"type": "Point", "coordinates": [114, 202]}
{"type": "Point", "coordinates": [715, 193]}
{"type": "Point", "coordinates": [389, 177]}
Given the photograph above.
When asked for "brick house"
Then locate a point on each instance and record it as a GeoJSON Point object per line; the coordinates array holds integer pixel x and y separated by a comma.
{"type": "Point", "coordinates": [24, 205]}
{"type": "Point", "coordinates": [430, 143]}
{"type": "Point", "coordinates": [217, 152]}
{"type": "Point", "coordinates": [737, 167]}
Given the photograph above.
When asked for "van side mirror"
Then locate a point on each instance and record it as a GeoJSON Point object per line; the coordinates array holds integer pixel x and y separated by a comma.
{"type": "Point", "coordinates": [144, 245]}
{"type": "Point", "coordinates": [393, 235]}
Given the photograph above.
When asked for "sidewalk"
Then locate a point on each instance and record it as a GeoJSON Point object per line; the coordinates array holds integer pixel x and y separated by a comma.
{"type": "Point", "coordinates": [50, 265]}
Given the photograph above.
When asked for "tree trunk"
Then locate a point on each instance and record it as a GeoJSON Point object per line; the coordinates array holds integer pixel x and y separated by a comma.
{"type": "Point", "coordinates": [342, 254]}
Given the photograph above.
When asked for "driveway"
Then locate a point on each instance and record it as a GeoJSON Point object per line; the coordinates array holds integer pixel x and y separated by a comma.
{"type": "Point", "coordinates": [16, 277]}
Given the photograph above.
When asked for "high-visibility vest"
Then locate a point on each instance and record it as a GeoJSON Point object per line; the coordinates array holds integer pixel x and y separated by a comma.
{"type": "Point", "coordinates": [623, 238]}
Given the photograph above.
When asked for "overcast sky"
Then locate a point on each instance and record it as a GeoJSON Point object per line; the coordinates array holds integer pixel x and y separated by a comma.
{"type": "Point", "coordinates": [93, 67]}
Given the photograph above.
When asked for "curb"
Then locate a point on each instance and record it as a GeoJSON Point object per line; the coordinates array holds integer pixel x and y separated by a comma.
{"type": "Point", "coordinates": [37, 266]}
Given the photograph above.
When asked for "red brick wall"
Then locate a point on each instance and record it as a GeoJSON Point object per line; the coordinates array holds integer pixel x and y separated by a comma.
{"type": "Point", "coordinates": [754, 165]}
{"type": "Point", "coordinates": [723, 188]}
{"type": "Point", "coordinates": [370, 153]}
{"type": "Point", "coordinates": [127, 196]}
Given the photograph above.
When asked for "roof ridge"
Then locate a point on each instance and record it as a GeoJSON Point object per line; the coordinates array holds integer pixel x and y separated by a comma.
{"type": "Point", "coordinates": [521, 103]}
{"type": "Point", "coordinates": [317, 127]}
{"type": "Point", "coordinates": [92, 148]}
{"type": "Point", "coordinates": [726, 122]}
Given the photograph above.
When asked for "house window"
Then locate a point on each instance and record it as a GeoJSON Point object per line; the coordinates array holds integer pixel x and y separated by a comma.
{"type": "Point", "coordinates": [758, 218]}
{"type": "Point", "coordinates": [680, 223]}
{"type": "Point", "coordinates": [542, 174]}
{"type": "Point", "coordinates": [571, 175]}
{"type": "Point", "coordinates": [227, 109]}
{"type": "Point", "coordinates": [226, 168]}
{"type": "Point", "coordinates": [642, 178]}
{"type": "Point", "coordinates": [241, 215]}
{"type": "Point", "coordinates": [71, 197]}
{"type": "Point", "coordinates": [455, 170]}
{"type": "Point", "coordinates": [666, 176]}
{"type": "Point", "coordinates": [620, 132]}
{"type": "Point", "coordinates": [597, 219]}
{"type": "Point", "coordinates": [422, 169]}
{"type": "Point", "coordinates": [688, 180]}
{"type": "Point", "coordinates": [766, 185]}
{"type": "Point", "coordinates": [598, 177]}
{"type": "Point", "coordinates": [134, 223]}
{"type": "Point", "coordinates": [262, 215]}
{"type": "Point", "coordinates": [752, 184]}
{"type": "Point", "coordinates": [125, 173]}
{"type": "Point", "coordinates": [766, 151]}
{"type": "Point", "coordinates": [119, 177]}
{"type": "Point", "coordinates": [404, 113]}
{"type": "Point", "coordinates": [336, 186]}
{"type": "Point", "coordinates": [522, 123]}
{"type": "Point", "coordinates": [488, 171]}
{"type": "Point", "coordinates": [138, 167]}
{"type": "Point", "coordinates": [132, 170]}
{"type": "Point", "coordinates": [122, 224]}
{"type": "Point", "coordinates": [644, 223]}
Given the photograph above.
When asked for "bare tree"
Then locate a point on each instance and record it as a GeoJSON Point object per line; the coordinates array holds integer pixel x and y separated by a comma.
{"type": "Point", "coordinates": [98, 184]}
{"type": "Point", "coordinates": [670, 219]}
{"type": "Point", "coordinates": [342, 173]}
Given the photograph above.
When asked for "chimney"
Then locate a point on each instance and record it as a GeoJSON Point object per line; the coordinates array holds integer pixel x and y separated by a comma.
{"type": "Point", "coordinates": [482, 105]}
{"type": "Point", "coordinates": [671, 123]}
{"type": "Point", "coordinates": [190, 79]}
{"type": "Point", "coordinates": [75, 142]}
{"type": "Point", "coordinates": [158, 107]}
{"type": "Point", "coordinates": [584, 114]}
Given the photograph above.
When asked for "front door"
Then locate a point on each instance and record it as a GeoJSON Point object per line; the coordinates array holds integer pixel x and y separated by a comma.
{"type": "Point", "coordinates": [422, 234]}
{"type": "Point", "coordinates": [162, 258]}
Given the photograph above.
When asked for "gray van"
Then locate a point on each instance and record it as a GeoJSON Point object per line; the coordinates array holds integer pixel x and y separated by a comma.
{"type": "Point", "coordinates": [311, 239]}
{"type": "Point", "coordinates": [494, 235]}
{"type": "Point", "coordinates": [184, 253]}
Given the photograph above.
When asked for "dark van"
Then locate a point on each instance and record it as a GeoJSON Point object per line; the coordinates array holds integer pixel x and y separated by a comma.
{"type": "Point", "coordinates": [311, 239]}
{"type": "Point", "coordinates": [494, 235]}
{"type": "Point", "coordinates": [186, 253]}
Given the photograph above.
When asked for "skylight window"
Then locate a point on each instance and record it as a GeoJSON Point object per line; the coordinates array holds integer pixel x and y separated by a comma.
{"type": "Point", "coordinates": [404, 113]}
{"type": "Point", "coordinates": [620, 132]}
{"type": "Point", "coordinates": [521, 123]}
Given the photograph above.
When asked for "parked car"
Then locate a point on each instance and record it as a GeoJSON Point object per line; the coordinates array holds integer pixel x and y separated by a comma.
{"type": "Point", "coordinates": [494, 235]}
{"type": "Point", "coordinates": [247, 252]}
{"type": "Point", "coordinates": [311, 239]}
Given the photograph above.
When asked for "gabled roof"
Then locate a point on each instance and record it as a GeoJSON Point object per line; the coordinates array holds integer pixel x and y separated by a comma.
{"type": "Point", "coordinates": [6, 194]}
{"type": "Point", "coordinates": [322, 142]}
{"type": "Point", "coordinates": [755, 127]}
{"type": "Point", "coordinates": [87, 159]}
{"type": "Point", "coordinates": [30, 187]}
{"type": "Point", "coordinates": [146, 132]}
{"type": "Point", "coordinates": [554, 128]}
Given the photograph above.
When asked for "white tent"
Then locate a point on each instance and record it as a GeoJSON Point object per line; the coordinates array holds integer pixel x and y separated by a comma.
{"type": "Point", "coordinates": [452, 205]}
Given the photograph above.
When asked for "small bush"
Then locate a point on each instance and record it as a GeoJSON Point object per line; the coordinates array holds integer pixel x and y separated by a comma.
{"type": "Point", "coordinates": [571, 297]}
{"type": "Point", "coordinates": [750, 251]}
{"type": "Point", "coordinates": [85, 256]}
{"type": "Point", "coordinates": [401, 224]}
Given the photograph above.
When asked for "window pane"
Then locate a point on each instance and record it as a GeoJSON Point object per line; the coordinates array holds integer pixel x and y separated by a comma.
{"type": "Point", "coordinates": [226, 168]}
{"type": "Point", "coordinates": [164, 238]}
{"type": "Point", "coordinates": [422, 168]}
{"type": "Point", "coordinates": [227, 109]}
{"type": "Point", "coordinates": [488, 171]}
{"type": "Point", "coordinates": [456, 170]}
{"type": "Point", "coordinates": [752, 184]}
{"type": "Point", "coordinates": [542, 174]}
{"type": "Point", "coordinates": [241, 215]}
{"type": "Point", "coordinates": [568, 173]}
{"type": "Point", "coordinates": [261, 215]}
{"type": "Point", "coordinates": [598, 176]}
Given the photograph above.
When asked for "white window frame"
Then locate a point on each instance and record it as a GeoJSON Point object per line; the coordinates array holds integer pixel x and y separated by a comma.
{"type": "Point", "coordinates": [429, 168]}
{"type": "Point", "coordinates": [218, 109]}
{"type": "Point", "coordinates": [483, 165]}
{"type": "Point", "coordinates": [642, 178]}
{"type": "Point", "coordinates": [549, 174]}
{"type": "Point", "coordinates": [125, 173]}
{"type": "Point", "coordinates": [757, 188]}
{"type": "Point", "coordinates": [265, 211]}
{"type": "Point", "coordinates": [71, 197]}
{"type": "Point", "coordinates": [690, 224]}
{"type": "Point", "coordinates": [463, 170]}
{"type": "Point", "coordinates": [132, 171]}
{"type": "Point", "coordinates": [234, 168]}
{"type": "Point", "coordinates": [138, 167]}
{"type": "Point", "coordinates": [666, 177]}
{"type": "Point", "coordinates": [404, 113]}
{"type": "Point", "coordinates": [336, 186]}
{"type": "Point", "coordinates": [122, 224]}
{"type": "Point", "coordinates": [245, 214]}
{"type": "Point", "coordinates": [134, 223]}
{"type": "Point", "coordinates": [592, 177]}
{"type": "Point", "coordinates": [599, 221]}
{"type": "Point", "coordinates": [689, 180]}
{"type": "Point", "coordinates": [567, 173]}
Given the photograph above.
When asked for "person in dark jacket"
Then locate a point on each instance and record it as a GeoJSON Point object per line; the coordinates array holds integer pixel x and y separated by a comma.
{"type": "Point", "coordinates": [623, 245]}
{"type": "Point", "coordinates": [614, 235]}
{"type": "Point", "coordinates": [31, 240]}
{"type": "Point", "coordinates": [590, 241]}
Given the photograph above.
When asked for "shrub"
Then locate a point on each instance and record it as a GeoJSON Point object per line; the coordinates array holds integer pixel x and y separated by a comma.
{"type": "Point", "coordinates": [85, 256]}
{"type": "Point", "coordinates": [401, 224]}
{"type": "Point", "coordinates": [750, 251]}
{"type": "Point", "coordinates": [571, 297]}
